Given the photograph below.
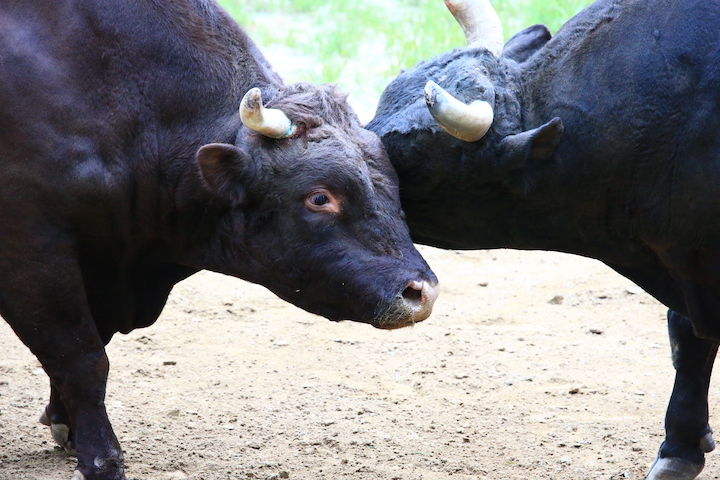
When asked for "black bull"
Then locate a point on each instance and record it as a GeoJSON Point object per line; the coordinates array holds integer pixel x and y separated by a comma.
{"type": "Point", "coordinates": [603, 141]}
{"type": "Point", "coordinates": [125, 167]}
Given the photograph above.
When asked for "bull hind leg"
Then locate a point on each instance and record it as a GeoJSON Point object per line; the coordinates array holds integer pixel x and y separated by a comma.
{"type": "Point", "coordinates": [688, 435]}
{"type": "Point", "coordinates": [56, 417]}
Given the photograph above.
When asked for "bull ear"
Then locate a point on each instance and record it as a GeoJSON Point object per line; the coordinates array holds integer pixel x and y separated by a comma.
{"type": "Point", "coordinates": [536, 145]}
{"type": "Point", "coordinates": [227, 170]}
{"type": "Point", "coordinates": [525, 43]}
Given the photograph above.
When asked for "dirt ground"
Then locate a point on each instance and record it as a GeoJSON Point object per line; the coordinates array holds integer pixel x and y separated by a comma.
{"type": "Point", "coordinates": [534, 365]}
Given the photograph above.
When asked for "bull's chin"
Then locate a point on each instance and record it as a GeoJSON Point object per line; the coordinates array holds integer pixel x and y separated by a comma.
{"type": "Point", "coordinates": [388, 321]}
{"type": "Point", "coordinates": [403, 315]}
{"type": "Point", "coordinates": [395, 324]}
{"type": "Point", "coordinates": [380, 323]}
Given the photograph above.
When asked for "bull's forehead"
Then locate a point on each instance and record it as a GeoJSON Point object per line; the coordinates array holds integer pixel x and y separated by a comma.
{"type": "Point", "coordinates": [342, 163]}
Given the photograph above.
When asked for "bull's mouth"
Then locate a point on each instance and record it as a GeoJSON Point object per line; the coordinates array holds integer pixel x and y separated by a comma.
{"type": "Point", "coordinates": [413, 304]}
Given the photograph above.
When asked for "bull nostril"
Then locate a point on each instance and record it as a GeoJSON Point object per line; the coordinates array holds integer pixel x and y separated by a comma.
{"type": "Point", "coordinates": [413, 305]}
{"type": "Point", "coordinates": [413, 292]}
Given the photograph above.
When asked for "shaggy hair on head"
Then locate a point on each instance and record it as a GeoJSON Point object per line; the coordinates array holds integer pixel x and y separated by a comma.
{"type": "Point", "coordinates": [311, 106]}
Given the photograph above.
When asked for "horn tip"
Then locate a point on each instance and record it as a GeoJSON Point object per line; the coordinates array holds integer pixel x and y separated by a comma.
{"type": "Point", "coordinates": [252, 99]}
{"type": "Point", "coordinates": [431, 92]}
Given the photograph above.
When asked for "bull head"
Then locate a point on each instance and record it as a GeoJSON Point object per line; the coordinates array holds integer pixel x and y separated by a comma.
{"type": "Point", "coordinates": [482, 28]}
{"type": "Point", "coordinates": [269, 122]}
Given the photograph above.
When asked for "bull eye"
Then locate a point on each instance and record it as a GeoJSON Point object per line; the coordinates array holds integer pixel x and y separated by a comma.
{"type": "Point", "coordinates": [319, 199]}
{"type": "Point", "coordinates": [322, 201]}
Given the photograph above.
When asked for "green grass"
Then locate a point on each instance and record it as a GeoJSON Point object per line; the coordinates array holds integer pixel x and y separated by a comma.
{"type": "Point", "coordinates": [364, 44]}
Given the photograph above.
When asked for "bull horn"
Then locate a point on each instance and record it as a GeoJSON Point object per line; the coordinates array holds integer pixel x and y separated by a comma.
{"type": "Point", "coordinates": [480, 23]}
{"type": "Point", "coordinates": [269, 122]}
{"type": "Point", "coordinates": [466, 122]}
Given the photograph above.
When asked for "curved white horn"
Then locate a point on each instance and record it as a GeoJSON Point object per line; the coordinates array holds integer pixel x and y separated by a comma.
{"type": "Point", "coordinates": [270, 122]}
{"type": "Point", "coordinates": [480, 23]}
{"type": "Point", "coordinates": [466, 122]}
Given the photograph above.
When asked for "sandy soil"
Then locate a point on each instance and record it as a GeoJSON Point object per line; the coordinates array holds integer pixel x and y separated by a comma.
{"type": "Point", "coordinates": [535, 365]}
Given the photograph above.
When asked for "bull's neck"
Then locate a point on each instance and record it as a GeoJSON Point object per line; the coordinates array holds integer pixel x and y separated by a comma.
{"type": "Point", "coordinates": [571, 203]}
{"type": "Point", "coordinates": [183, 109]}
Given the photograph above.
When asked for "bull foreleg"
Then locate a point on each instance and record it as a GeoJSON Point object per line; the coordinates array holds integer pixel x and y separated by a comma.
{"type": "Point", "coordinates": [49, 312]}
{"type": "Point", "coordinates": [81, 385]}
{"type": "Point", "coordinates": [688, 435]}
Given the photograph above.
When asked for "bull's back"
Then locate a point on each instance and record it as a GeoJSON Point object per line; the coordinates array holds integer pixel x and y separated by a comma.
{"type": "Point", "coordinates": [51, 120]}
{"type": "Point", "coordinates": [96, 94]}
{"type": "Point", "coordinates": [635, 60]}
{"type": "Point", "coordinates": [636, 84]}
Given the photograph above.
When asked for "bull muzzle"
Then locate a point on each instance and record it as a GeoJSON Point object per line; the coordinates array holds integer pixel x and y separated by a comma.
{"type": "Point", "coordinates": [414, 304]}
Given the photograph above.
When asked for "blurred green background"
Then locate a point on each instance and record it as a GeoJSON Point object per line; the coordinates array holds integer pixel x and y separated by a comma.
{"type": "Point", "coordinates": [362, 45]}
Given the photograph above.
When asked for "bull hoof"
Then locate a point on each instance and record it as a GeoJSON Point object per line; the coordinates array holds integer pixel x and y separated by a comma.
{"type": "Point", "coordinates": [61, 434]}
{"type": "Point", "coordinates": [672, 468]}
{"type": "Point", "coordinates": [707, 443]}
